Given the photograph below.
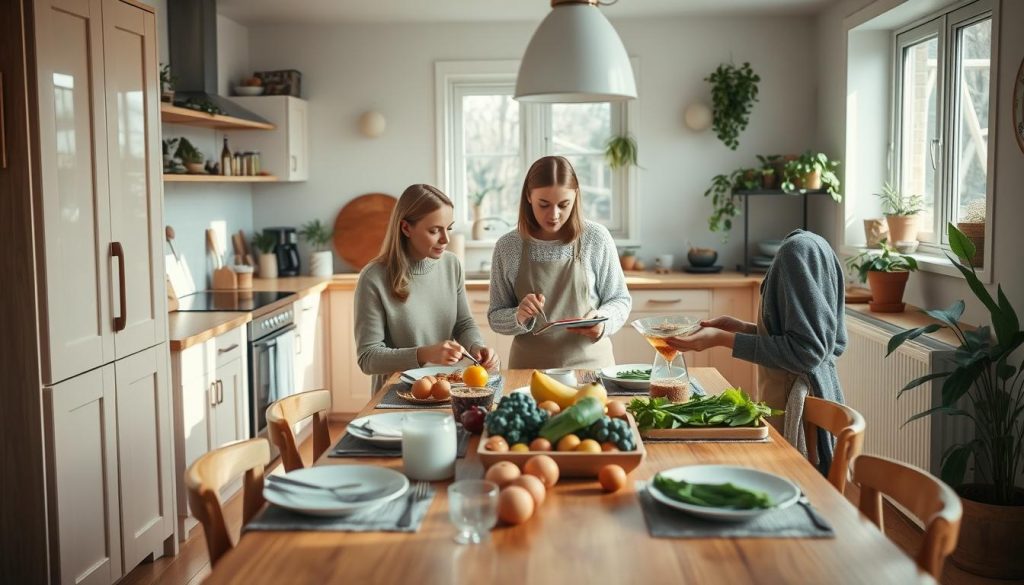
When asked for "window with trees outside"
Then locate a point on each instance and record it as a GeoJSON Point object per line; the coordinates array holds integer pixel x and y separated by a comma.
{"type": "Point", "coordinates": [489, 141]}
{"type": "Point", "coordinates": [941, 118]}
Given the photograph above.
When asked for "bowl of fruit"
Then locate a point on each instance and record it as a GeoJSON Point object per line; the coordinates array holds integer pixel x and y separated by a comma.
{"type": "Point", "coordinates": [250, 86]}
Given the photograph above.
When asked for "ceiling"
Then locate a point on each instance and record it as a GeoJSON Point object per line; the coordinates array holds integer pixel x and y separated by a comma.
{"type": "Point", "coordinates": [250, 12]}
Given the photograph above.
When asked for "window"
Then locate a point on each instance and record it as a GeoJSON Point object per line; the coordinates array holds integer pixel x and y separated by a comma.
{"type": "Point", "coordinates": [941, 120]}
{"type": "Point", "coordinates": [487, 141]}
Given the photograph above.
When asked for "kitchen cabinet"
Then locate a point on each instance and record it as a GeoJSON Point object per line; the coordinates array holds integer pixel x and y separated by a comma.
{"type": "Point", "coordinates": [479, 301]}
{"type": "Point", "coordinates": [311, 322]}
{"type": "Point", "coordinates": [350, 387]}
{"type": "Point", "coordinates": [284, 151]}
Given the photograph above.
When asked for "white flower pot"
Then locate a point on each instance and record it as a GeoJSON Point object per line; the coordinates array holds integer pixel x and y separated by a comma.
{"type": "Point", "coordinates": [268, 265]}
{"type": "Point", "coordinates": [321, 263]}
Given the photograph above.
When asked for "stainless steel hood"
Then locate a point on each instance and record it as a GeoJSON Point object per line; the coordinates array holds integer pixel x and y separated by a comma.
{"type": "Point", "coordinates": [192, 32]}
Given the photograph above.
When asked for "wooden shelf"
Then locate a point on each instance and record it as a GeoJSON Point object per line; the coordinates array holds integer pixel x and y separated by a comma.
{"type": "Point", "coordinates": [175, 115]}
{"type": "Point", "coordinates": [218, 179]}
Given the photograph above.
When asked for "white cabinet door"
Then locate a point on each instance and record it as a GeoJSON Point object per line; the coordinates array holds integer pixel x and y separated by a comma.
{"type": "Point", "coordinates": [350, 387]}
{"type": "Point", "coordinates": [194, 397]}
{"type": "Point", "coordinates": [81, 431]}
{"type": "Point", "coordinates": [144, 453]}
{"type": "Point", "coordinates": [309, 344]}
{"type": "Point", "coordinates": [229, 414]}
{"type": "Point", "coordinates": [284, 151]}
{"type": "Point", "coordinates": [136, 196]}
{"type": "Point", "coordinates": [298, 140]}
{"type": "Point", "coordinates": [74, 217]}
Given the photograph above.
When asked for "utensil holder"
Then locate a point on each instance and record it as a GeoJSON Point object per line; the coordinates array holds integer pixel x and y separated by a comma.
{"type": "Point", "coordinates": [244, 280]}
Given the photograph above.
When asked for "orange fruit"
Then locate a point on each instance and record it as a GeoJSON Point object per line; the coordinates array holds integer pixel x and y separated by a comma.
{"type": "Point", "coordinates": [475, 376]}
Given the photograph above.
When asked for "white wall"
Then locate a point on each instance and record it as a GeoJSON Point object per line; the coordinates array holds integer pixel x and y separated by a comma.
{"type": "Point", "coordinates": [348, 69]}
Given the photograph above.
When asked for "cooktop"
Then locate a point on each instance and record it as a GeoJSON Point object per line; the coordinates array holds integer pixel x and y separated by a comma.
{"type": "Point", "coordinates": [229, 300]}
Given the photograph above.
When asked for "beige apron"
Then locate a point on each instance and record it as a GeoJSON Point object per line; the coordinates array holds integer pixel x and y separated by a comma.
{"type": "Point", "coordinates": [564, 286]}
{"type": "Point", "coordinates": [773, 384]}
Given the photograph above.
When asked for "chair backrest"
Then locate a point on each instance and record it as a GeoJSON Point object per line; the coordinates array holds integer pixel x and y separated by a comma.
{"type": "Point", "coordinates": [210, 472]}
{"type": "Point", "coordinates": [282, 416]}
{"type": "Point", "coordinates": [923, 494]}
{"type": "Point", "coordinates": [843, 422]}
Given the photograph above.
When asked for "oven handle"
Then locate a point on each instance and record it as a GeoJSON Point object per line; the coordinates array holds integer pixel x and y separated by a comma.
{"type": "Point", "coordinates": [272, 338]}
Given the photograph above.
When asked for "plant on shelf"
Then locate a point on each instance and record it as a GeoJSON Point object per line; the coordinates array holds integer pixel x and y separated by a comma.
{"type": "Point", "coordinates": [886, 274]}
{"type": "Point", "coordinates": [628, 259]}
{"type": "Point", "coordinates": [769, 175]}
{"type": "Point", "coordinates": [810, 172]}
{"type": "Point", "coordinates": [201, 105]}
{"type": "Point", "coordinates": [724, 203]}
{"type": "Point", "coordinates": [621, 151]}
{"type": "Point", "coordinates": [317, 235]}
{"type": "Point", "coordinates": [986, 386]}
{"type": "Point", "coordinates": [733, 93]}
{"type": "Point", "coordinates": [901, 213]}
{"type": "Point", "coordinates": [167, 82]}
{"type": "Point", "coordinates": [266, 242]}
{"type": "Point", "coordinates": [190, 155]}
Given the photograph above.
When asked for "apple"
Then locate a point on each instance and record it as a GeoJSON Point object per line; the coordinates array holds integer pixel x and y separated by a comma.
{"type": "Point", "coordinates": [473, 419]}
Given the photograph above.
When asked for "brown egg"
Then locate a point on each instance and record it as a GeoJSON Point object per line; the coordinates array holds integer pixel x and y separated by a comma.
{"type": "Point", "coordinates": [612, 478]}
{"type": "Point", "coordinates": [502, 473]}
{"type": "Point", "coordinates": [515, 505]}
{"type": "Point", "coordinates": [441, 390]}
{"type": "Point", "coordinates": [540, 444]}
{"type": "Point", "coordinates": [616, 409]}
{"type": "Point", "coordinates": [543, 468]}
{"type": "Point", "coordinates": [497, 443]}
{"type": "Point", "coordinates": [421, 388]}
{"type": "Point", "coordinates": [431, 378]}
{"type": "Point", "coordinates": [551, 406]}
{"type": "Point", "coordinates": [533, 485]}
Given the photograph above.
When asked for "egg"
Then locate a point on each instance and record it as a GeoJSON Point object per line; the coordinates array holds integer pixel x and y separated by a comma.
{"type": "Point", "coordinates": [612, 478]}
{"type": "Point", "coordinates": [543, 468]}
{"type": "Point", "coordinates": [540, 444]}
{"type": "Point", "coordinates": [441, 390]}
{"type": "Point", "coordinates": [515, 505]}
{"type": "Point", "coordinates": [616, 409]}
{"type": "Point", "coordinates": [496, 443]}
{"type": "Point", "coordinates": [421, 388]}
{"type": "Point", "coordinates": [502, 473]}
{"type": "Point", "coordinates": [533, 485]}
{"type": "Point", "coordinates": [568, 443]}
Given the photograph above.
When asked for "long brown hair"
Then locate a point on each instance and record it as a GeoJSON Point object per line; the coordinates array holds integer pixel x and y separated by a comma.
{"type": "Point", "coordinates": [416, 202]}
{"type": "Point", "coordinates": [550, 171]}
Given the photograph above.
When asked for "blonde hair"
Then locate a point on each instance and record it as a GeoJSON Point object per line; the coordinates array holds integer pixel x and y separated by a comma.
{"type": "Point", "coordinates": [550, 171]}
{"type": "Point", "coordinates": [416, 202]}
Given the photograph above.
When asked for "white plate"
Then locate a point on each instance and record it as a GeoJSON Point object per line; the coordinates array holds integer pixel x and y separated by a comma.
{"type": "Point", "coordinates": [612, 374]}
{"type": "Point", "coordinates": [781, 491]}
{"type": "Point", "coordinates": [414, 374]}
{"type": "Point", "coordinates": [388, 423]}
{"type": "Point", "coordinates": [314, 502]}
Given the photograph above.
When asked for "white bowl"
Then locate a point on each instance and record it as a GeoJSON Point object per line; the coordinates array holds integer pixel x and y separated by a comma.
{"type": "Point", "coordinates": [249, 90]}
{"type": "Point", "coordinates": [906, 246]}
{"type": "Point", "coordinates": [769, 247]}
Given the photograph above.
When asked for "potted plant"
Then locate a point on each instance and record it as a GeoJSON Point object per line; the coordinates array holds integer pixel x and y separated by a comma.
{"type": "Point", "coordinates": [900, 213]}
{"type": "Point", "coordinates": [621, 151]}
{"type": "Point", "coordinates": [628, 259]}
{"type": "Point", "coordinates": [886, 275]}
{"type": "Point", "coordinates": [725, 204]}
{"type": "Point", "coordinates": [316, 234]}
{"type": "Point", "coordinates": [476, 201]}
{"type": "Point", "coordinates": [972, 224]}
{"type": "Point", "coordinates": [191, 156]}
{"type": "Point", "coordinates": [265, 242]}
{"type": "Point", "coordinates": [166, 83]}
{"type": "Point", "coordinates": [985, 386]}
{"type": "Point", "coordinates": [169, 145]}
{"type": "Point", "coordinates": [769, 176]}
{"type": "Point", "coordinates": [733, 93]}
{"type": "Point", "coordinates": [811, 172]}
{"type": "Point", "coordinates": [876, 231]}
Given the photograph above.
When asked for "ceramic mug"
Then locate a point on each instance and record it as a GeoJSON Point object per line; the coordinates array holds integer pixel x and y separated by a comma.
{"type": "Point", "coordinates": [564, 375]}
{"type": "Point", "coordinates": [664, 261]}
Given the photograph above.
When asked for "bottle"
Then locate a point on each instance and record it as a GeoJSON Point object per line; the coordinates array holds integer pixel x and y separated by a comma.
{"type": "Point", "coordinates": [225, 159]}
{"type": "Point", "coordinates": [236, 164]}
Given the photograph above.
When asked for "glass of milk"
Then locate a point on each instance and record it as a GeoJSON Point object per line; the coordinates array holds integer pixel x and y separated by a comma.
{"type": "Point", "coordinates": [429, 445]}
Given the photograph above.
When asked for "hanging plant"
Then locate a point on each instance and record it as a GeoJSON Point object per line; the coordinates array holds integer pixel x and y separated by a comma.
{"type": "Point", "coordinates": [733, 93]}
{"type": "Point", "coordinates": [621, 151]}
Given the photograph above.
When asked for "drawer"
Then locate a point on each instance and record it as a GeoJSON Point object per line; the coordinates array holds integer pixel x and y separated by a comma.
{"type": "Point", "coordinates": [671, 301]}
{"type": "Point", "coordinates": [229, 346]}
{"type": "Point", "coordinates": [479, 301]}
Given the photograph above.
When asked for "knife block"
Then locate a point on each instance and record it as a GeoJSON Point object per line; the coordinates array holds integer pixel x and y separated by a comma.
{"type": "Point", "coordinates": [225, 279]}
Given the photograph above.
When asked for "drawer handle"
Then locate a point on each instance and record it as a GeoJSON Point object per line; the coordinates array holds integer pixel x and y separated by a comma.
{"type": "Point", "coordinates": [3, 136]}
{"type": "Point", "coordinates": [664, 301]}
{"type": "Point", "coordinates": [228, 348]}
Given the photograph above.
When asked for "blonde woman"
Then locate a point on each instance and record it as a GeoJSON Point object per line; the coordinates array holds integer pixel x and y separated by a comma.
{"type": "Point", "coordinates": [410, 305]}
{"type": "Point", "coordinates": [556, 265]}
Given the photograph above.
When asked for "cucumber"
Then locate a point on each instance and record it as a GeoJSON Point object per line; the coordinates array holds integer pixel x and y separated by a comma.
{"type": "Point", "coordinates": [578, 416]}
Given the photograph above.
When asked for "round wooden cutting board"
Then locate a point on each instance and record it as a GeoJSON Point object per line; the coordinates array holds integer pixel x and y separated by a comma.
{"type": "Point", "coordinates": [360, 228]}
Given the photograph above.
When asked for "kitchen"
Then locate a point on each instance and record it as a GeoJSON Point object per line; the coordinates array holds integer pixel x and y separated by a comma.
{"type": "Point", "coordinates": [377, 87]}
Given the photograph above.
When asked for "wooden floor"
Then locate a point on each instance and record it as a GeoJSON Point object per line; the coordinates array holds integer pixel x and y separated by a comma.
{"type": "Point", "coordinates": [191, 566]}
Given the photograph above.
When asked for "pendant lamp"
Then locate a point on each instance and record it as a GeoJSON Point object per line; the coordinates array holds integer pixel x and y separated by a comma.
{"type": "Point", "coordinates": [575, 56]}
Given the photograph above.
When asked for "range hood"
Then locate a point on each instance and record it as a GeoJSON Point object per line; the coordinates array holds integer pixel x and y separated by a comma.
{"type": "Point", "coordinates": [192, 32]}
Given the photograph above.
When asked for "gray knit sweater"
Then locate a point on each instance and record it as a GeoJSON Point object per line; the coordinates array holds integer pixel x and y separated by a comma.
{"type": "Point", "coordinates": [605, 281]}
{"type": "Point", "coordinates": [388, 331]}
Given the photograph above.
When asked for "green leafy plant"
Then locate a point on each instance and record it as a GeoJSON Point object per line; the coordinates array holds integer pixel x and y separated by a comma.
{"type": "Point", "coordinates": [476, 198]}
{"type": "Point", "coordinates": [888, 261]}
{"type": "Point", "coordinates": [167, 80]}
{"type": "Point", "coordinates": [725, 204]}
{"type": "Point", "coordinates": [621, 151]}
{"type": "Point", "coordinates": [188, 153]}
{"type": "Point", "coordinates": [983, 387]}
{"type": "Point", "coordinates": [895, 203]}
{"type": "Point", "coordinates": [316, 234]}
{"type": "Point", "coordinates": [170, 145]}
{"type": "Point", "coordinates": [265, 242]}
{"type": "Point", "coordinates": [809, 162]}
{"type": "Point", "coordinates": [201, 105]}
{"type": "Point", "coordinates": [629, 252]}
{"type": "Point", "coordinates": [733, 93]}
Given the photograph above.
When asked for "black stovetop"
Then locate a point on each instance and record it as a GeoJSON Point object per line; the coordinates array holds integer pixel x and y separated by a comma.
{"type": "Point", "coordinates": [229, 300]}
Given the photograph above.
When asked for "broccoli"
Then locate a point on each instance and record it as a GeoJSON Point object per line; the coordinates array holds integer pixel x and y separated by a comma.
{"type": "Point", "coordinates": [517, 418]}
{"type": "Point", "coordinates": [612, 430]}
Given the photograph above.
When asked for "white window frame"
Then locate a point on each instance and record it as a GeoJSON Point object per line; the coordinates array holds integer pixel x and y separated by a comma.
{"type": "Point", "coordinates": [455, 79]}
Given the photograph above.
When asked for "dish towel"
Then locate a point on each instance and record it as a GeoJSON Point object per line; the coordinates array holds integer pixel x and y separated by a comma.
{"type": "Point", "coordinates": [383, 518]}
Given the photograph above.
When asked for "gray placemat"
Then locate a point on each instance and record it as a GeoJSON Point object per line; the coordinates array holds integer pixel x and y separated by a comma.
{"type": "Point", "coordinates": [665, 522]}
{"type": "Point", "coordinates": [352, 446]}
{"type": "Point", "coordinates": [391, 399]}
{"type": "Point", "coordinates": [382, 518]}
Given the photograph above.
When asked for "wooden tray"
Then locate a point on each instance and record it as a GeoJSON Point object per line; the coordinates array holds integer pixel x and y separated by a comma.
{"type": "Point", "coordinates": [709, 433]}
{"type": "Point", "coordinates": [571, 463]}
{"type": "Point", "coordinates": [360, 228]}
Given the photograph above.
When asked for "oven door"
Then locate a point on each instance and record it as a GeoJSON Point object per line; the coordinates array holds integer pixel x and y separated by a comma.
{"type": "Point", "coordinates": [273, 374]}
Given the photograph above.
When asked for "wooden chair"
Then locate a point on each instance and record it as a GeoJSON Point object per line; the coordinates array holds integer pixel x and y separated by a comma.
{"type": "Point", "coordinates": [843, 422]}
{"type": "Point", "coordinates": [210, 472]}
{"type": "Point", "coordinates": [285, 413]}
{"type": "Point", "coordinates": [923, 494]}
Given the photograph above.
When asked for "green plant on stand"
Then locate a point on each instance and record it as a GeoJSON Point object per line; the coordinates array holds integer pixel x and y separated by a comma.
{"type": "Point", "coordinates": [621, 151]}
{"type": "Point", "coordinates": [733, 93]}
{"type": "Point", "coordinates": [769, 178]}
{"type": "Point", "coordinates": [895, 203]}
{"type": "Point", "coordinates": [725, 205]}
{"type": "Point", "coordinates": [188, 153]}
{"type": "Point", "coordinates": [810, 172]}
{"type": "Point", "coordinates": [317, 235]}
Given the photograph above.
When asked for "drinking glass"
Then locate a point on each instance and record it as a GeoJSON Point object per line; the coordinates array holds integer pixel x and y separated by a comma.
{"type": "Point", "coordinates": [669, 377]}
{"type": "Point", "coordinates": [473, 509]}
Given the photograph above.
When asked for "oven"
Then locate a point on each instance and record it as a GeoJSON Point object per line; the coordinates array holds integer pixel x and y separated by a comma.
{"type": "Point", "coordinates": [271, 365]}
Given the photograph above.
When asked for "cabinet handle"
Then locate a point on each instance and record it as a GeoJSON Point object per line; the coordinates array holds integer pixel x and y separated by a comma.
{"type": "Point", "coordinates": [664, 301]}
{"type": "Point", "coordinates": [220, 391]}
{"type": "Point", "coordinates": [3, 135]}
{"type": "Point", "coordinates": [117, 251]}
{"type": "Point", "coordinates": [228, 348]}
{"type": "Point", "coordinates": [298, 343]}
{"type": "Point", "coordinates": [295, 163]}
{"type": "Point", "coordinates": [213, 393]}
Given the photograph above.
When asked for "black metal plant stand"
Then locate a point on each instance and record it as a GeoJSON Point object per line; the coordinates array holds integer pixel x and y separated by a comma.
{"type": "Point", "coordinates": [747, 194]}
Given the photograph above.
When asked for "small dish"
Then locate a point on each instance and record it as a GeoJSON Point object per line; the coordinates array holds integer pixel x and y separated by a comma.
{"type": "Point", "coordinates": [248, 90]}
{"type": "Point", "coordinates": [769, 247]}
{"type": "Point", "coordinates": [782, 492]}
{"type": "Point", "coordinates": [612, 374]}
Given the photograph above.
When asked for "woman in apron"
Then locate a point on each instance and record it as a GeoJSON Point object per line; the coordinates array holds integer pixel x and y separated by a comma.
{"type": "Point", "coordinates": [555, 266]}
{"type": "Point", "coordinates": [799, 332]}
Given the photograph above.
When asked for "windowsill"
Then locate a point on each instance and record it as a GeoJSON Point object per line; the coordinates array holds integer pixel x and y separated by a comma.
{"type": "Point", "coordinates": [926, 262]}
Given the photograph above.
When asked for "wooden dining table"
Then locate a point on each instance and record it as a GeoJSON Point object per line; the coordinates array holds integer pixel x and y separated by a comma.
{"type": "Point", "coordinates": [584, 535]}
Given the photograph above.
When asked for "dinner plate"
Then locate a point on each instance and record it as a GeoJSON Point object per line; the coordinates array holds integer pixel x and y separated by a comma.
{"type": "Point", "coordinates": [612, 374]}
{"type": "Point", "coordinates": [782, 492]}
{"type": "Point", "coordinates": [387, 429]}
{"type": "Point", "coordinates": [410, 376]}
{"type": "Point", "coordinates": [565, 323]}
{"type": "Point", "coordinates": [377, 485]}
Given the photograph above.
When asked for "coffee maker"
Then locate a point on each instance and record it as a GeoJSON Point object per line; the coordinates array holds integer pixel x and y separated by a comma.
{"type": "Point", "coordinates": [287, 250]}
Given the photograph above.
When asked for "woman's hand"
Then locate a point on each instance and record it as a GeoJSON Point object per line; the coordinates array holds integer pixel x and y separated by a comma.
{"type": "Point", "coordinates": [531, 306]}
{"type": "Point", "coordinates": [594, 331]}
{"type": "Point", "coordinates": [445, 353]}
{"type": "Point", "coordinates": [705, 338]}
{"type": "Point", "coordinates": [488, 358]}
{"type": "Point", "coordinates": [730, 324]}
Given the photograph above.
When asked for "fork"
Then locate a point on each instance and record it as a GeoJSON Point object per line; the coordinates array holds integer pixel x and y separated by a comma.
{"type": "Point", "coordinates": [419, 492]}
{"type": "Point", "coordinates": [816, 518]}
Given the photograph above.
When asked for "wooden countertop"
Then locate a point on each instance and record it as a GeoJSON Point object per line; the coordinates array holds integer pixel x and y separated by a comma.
{"type": "Point", "coordinates": [634, 281]}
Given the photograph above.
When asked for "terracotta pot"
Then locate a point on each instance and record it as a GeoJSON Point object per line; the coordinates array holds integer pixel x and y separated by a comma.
{"type": "Point", "coordinates": [811, 181]}
{"type": "Point", "coordinates": [195, 168]}
{"type": "Point", "coordinates": [628, 262]}
{"type": "Point", "coordinates": [902, 228]}
{"type": "Point", "coordinates": [887, 291]}
{"type": "Point", "coordinates": [875, 230]}
{"type": "Point", "coordinates": [989, 543]}
{"type": "Point", "coordinates": [976, 233]}
{"type": "Point", "coordinates": [769, 181]}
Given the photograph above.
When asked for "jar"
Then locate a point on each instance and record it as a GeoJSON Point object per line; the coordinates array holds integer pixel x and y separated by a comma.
{"type": "Point", "coordinates": [429, 446]}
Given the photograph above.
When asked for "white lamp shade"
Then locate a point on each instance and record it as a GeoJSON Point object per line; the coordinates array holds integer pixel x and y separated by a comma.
{"type": "Point", "coordinates": [575, 56]}
{"type": "Point", "coordinates": [697, 116]}
{"type": "Point", "coordinates": [372, 124]}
